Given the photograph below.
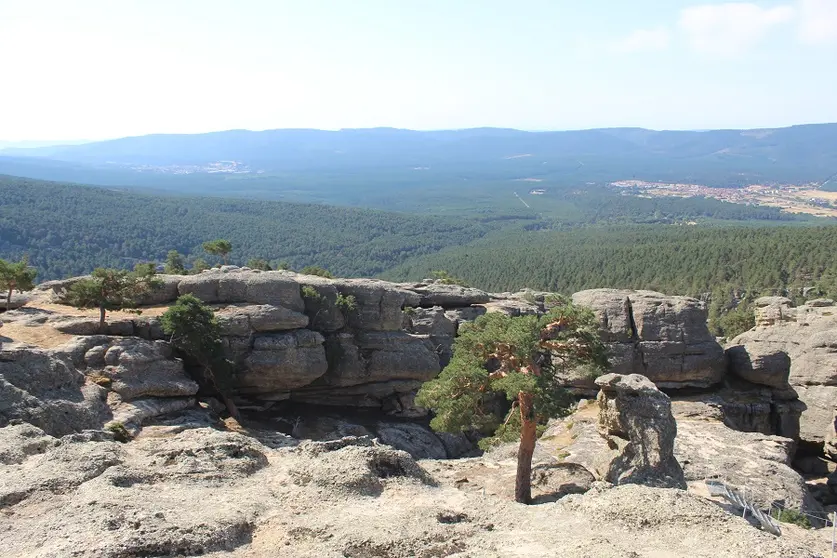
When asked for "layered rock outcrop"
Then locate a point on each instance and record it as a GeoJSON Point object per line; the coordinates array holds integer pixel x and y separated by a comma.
{"type": "Point", "coordinates": [89, 382]}
{"type": "Point", "coordinates": [664, 338]}
{"type": "Point", "coordinates": [792, 351]}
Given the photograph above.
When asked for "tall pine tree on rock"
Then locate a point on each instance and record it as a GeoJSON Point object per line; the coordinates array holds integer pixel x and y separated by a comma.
{"type": "Point", "coordinates": [519, 358]}
{"type": "Point", "coordinates": [112, 289]}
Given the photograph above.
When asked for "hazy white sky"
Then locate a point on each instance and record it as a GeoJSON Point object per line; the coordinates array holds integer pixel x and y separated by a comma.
{"type": "Point", "coordinates": [98, 69]}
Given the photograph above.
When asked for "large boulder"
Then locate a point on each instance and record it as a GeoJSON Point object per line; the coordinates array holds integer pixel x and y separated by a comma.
{"type": "Point", "coordinates": [281, 362]}
{"type": "Point", "coordinates": [370, 357]}
{"type": "Point", "coordinates": [635, 418]}
{"type": "Point", "coordinates": [378, 303]}
{"type": "Point", "coordinates": [46, 390]}
{"type": "Point", "coordinates": [247, 319]}
{"type": "Point", "coordinates": [440, 325]}
{"type": "Point", "coordinates": [756, 463]}
{"type": "Point", "coordinates": [760, 364]}
{"type": "Point", "coordinates": [447, 296]}
{"type": "Point", "coordinates": [664, 338]}
{"type": "Point", "coordinates": [276, 288]}
{"type": "Point", "coordinates": [742, 406]}
{"type": "Point", "coordinates": [131, 367]}
{"type": "Point", "coordinates": [807, 337]}
{"type": "Point", "coordinates": [166, 291]}
{"type": "Point", "coordinates": [369, 369]}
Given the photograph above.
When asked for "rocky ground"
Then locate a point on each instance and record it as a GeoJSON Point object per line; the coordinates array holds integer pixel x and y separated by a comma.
{"type": "Point", "coordinates": [190, 485]}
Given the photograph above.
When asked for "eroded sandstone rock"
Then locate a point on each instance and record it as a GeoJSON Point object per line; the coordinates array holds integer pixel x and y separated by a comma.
{"type": "Point", "coordinates": [47, 391]}
{"type": "Point", "coordinates": [808, 336]}
{"type": "Point", "coordinates": [664, 338]}
{"type": "Point", "coordinates": [635, 418]}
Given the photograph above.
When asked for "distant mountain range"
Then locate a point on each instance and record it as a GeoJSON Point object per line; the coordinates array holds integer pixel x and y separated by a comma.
{"type": "Point", "coordinates": [29, 144]}
{"type": "Point", "coordinates": [297, 163]}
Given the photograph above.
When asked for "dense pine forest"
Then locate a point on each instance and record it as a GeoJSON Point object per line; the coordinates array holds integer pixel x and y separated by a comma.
{"type": "Point", "coordinates": [676, 259]}
{"type": "Point", "coordinates": [69, 230]}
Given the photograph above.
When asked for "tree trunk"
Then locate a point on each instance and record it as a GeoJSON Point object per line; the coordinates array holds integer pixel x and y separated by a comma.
{"type": "Point", "coordinates": [528, 436]}
{"type": "Point", "coordinates": [101, 318]}
{"type": "Point", "coordinates": [9, 300]}
{"type": "Point", "coordinates": [228, 403]}
{"type": "Point", "coordinates": [231, 408]}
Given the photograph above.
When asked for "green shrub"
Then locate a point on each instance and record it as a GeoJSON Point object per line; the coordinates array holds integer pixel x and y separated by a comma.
{"type": "Point", "coordinates": [445, 278]}
{"type": "Point", "coordinates": [120, 433]}
{"type": "Point", "coordinates": [193, 329]}
{"type": "Point", "coordinates": [346, 303]}
{"type": "Point", "coordinates": [793, 516]}
{"type": "Point", "coordinates": [310, 293]}
{"type": "Point", "coordinates": [316, 270]}
{"type": "Point", "coordinates": [259, 263]}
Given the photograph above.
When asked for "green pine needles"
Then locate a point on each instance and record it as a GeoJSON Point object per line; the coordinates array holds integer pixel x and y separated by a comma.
{"type": "Point", "coordinates": [517, 359]}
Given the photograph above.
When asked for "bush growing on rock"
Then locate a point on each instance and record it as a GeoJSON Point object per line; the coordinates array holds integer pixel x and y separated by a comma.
{"type": "Point", "coordinates": [193, 329]}
{"type": "Point", "coordinates": [446, 278]}
{"type": "Point", "coordinates": [316, 270]}
{"type": "Point", "coordinates": [199, 265]}
{"type": "Point", "coordinates": [112, 289]}
{"type": "Point", "coordinates": [260, 264]}
{"type": "Point", "coordinates": [518, 357]}
{"type": "Point", "coordinates": [346, 303]}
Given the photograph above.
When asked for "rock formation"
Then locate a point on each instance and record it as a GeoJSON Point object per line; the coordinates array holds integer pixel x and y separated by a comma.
{"type": "Point", "coordinates": [635, 418]}
{"type": "Point", "coordinates": [664, 338]}
{"type": "Point", "coordinates": [793, 352]}
{"type": "Point", "coordinates": [312, 341]}
{"type": "Point", "coordinates": [91, 381]}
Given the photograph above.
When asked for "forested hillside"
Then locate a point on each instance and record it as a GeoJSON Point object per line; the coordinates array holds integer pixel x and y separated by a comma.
{"type": "Point", "coordinates": [583, 240]}
{"type": "Point", "coordinates": [70, 229]}
{"type": "Point", "coordinates": [672, 259]}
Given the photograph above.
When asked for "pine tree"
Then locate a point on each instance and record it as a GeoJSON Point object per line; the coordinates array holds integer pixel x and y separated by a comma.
{"type": "Point", "coordinates": [193, 329]}
{"type": "Point", "coordinates": [174, 263]}
{"type": "Point", "coordinates": [112, 289]}
{"type": "Point", "coordinates": [518, 357]}
{"type": "Point", "coordinates": [16, 276]}
{"type": "Point", "coordinates": [219, 247]}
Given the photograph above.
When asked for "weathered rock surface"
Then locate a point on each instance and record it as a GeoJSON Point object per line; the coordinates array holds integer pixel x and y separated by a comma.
{"type": "Point", "coordinates": [276, 288]}
{"type": "Point", "coordinates": [47, 391]}
{"type": "Point", "coordinates": [704, 447]}
{"type": "Point", "coordinates": [18, 300]}
{"type": "Point", "coordinates": [439, 294]}
{"type": "Point", "coordinates": [416, 439]}
{"type": "Point", "coordinates": [367, 367]}
{"type": "Point", "coordinates": [280, 362]}
{"type": "Point", "coordinates": [808, 336]}
{"type": "Point", "coordinates": [635, 418]}
{"type": "Point", "coordinates": [763, 365]}
{"type": "Point", "coordinates": [131, 367]}
{"type": "Point", "coordinates": [91, 381]}
{"type": "Point", "coordinates": [184, 487]}
{"type": "Point", "coordinates": [743, 406]}
{"type": "Point", "coordinates": [664, 338]}
{"type": "Point", "coordinates": [245, 320]}
{"type": "Point", "coordinates": [758, 463]}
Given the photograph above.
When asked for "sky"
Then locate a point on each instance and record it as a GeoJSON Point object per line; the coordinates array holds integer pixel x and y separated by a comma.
{"type": "Point", "coordinates": [98, 69]}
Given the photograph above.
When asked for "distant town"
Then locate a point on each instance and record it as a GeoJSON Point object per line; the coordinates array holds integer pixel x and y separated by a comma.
{"type": "Point", "coordinates": [227, 167]}
{"type": "Point", "coordinates": [794, 198]}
